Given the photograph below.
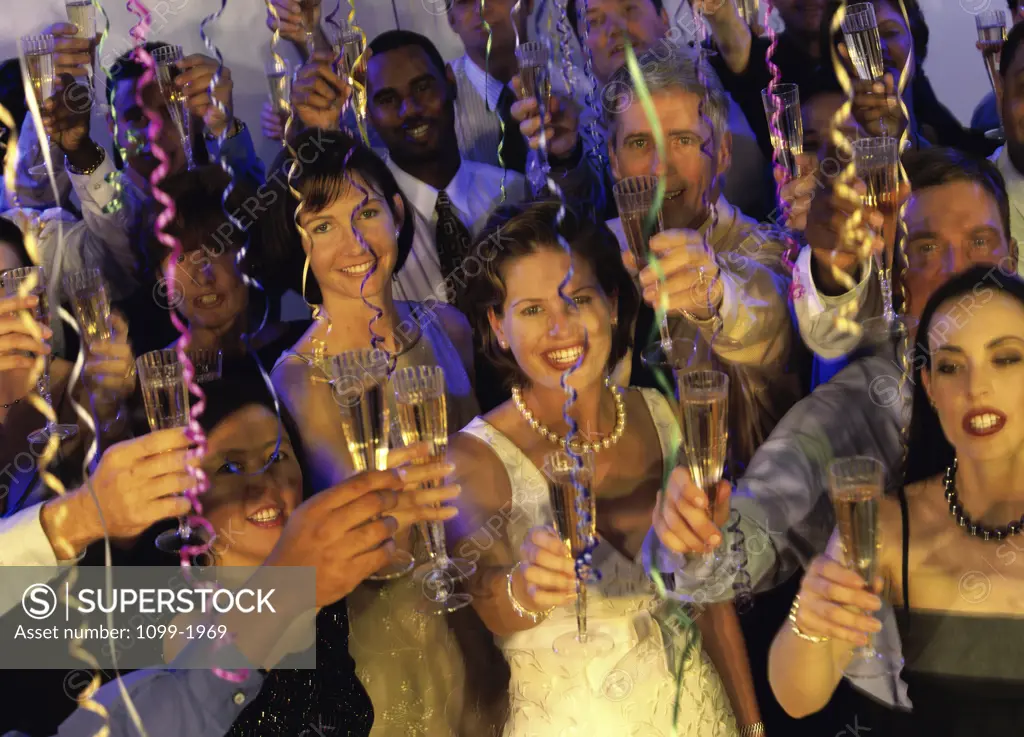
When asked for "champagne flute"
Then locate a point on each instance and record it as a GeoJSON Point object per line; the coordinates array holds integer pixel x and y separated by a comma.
{"type": "Point", "coordinates": [279, 79]}
{"type": "Point", "coordinates": [876, 161]}
{"type": "Point", "coordinates": [788, 140]}
{"type": "Point", "coordinates": [534, 76]}
{"type": "Point", "coordinates": [90, 303]}
{"type": "Point", "coordinates": [991, 25]}
{"type": "Point", "coordinates": [359, 380]}
{"type": "Point", "coordinates": [166, 397]}
{"type": "Point", "coordinates": [856, 485]}
{"type": "Point", "coordinates": [348, 45]}
{"type": "Point", "coordinates": [863, 43]}
{"type": "Point", "coordinates": [207, 364]}
{"type": "Point", "coordinates": [167, 58]}
{"type": "Point", "coordinates": [575, 519]}
{"type": "Point", "coordinates": [749, 11]}
{"type": "Point", "coordinates": [308, 8]}
{"type": "Point", "coordinates": [634, 197]}
{"type": "Point", "coordinates": [704, 421]}
{"type": "Point", "coordinates": [82, 15]}
{"type": "Point", "coordinates": [13, 281]}
{"type": "Point", "coordinates": [38, 51]}
{"type": "Point", "coordinates": [423, 417]}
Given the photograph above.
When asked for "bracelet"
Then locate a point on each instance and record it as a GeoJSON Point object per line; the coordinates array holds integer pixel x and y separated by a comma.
{"type": "Point", "coordinates": [793, 610]}
{"type": "Point", "coordinates": [519, 608]}
{"type": "Point", "coordinates": [753, 730]}
{"type": "Point", "coordinates": [89, 169]}
{"type": "Point", "coordinates": [237, 126]}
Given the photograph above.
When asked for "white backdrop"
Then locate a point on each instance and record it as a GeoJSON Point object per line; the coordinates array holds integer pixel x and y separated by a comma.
{"type": "Point", "coordinates": [954, 66]}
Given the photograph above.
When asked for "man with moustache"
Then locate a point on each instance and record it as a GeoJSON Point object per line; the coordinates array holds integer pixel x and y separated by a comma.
{"type": "Point", "coordinates": [603, 31]}
{"type": "Point", "coordinates": [957, 217]}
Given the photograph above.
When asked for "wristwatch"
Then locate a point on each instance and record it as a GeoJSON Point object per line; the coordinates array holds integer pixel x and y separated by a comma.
{"type": "Point", "coordinates": [101, 157]}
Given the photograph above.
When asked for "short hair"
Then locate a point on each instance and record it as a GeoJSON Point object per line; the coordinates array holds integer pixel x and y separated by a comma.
{"type": "Point", "coordinates": [572, 12]}
{"type": "Point", "coordinates": [321, 181]}
{"type": "Point", "coordinates": [518, 230]}
{"type": "Point", "coordinates": [933, 167]}
{"type": "Point", "coordinates": [678, 69]}
{"type": "Point", "coordinates": [392, 40]}
{"type": "Point", "coordinates": [200, 220]}
{"type": "Point", "coordinates": [1010, 48]}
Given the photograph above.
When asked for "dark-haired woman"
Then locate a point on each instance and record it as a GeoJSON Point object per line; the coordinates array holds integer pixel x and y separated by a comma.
{"type": "Point", "coordinates": [416, 673]}
{"type": "Point", "coordinates": [948, 560]}
{"type": "Point", "coordinates": [525, 586]}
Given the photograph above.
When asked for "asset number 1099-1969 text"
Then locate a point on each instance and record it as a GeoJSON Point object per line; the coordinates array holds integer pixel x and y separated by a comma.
{"type": "Point", "coordinates": [189, 632]}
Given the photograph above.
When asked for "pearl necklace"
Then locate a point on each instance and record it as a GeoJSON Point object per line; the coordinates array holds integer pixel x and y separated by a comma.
{"type": "Point", "coordinates": [608, 442]}
{"type": "Point", "coordinates": [975, 529]}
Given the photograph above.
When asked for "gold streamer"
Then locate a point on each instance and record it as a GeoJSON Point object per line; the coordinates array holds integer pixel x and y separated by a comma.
{"type": "Point", "coordinates": [359, 95]}
{"type": "Point", "coordinates": [899, 258]}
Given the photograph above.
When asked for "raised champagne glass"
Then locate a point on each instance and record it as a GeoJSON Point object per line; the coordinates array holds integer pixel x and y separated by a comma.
{"type": "Point", "coordinates": [167, 59]}
{"type": "Point", "coordinates": [423, 418]}
{"type": "Point", "coordinates": [704, 421]}
{"type": "Point", "coordinates": [38, 51]}
{"type": "Point", "coordinates": [856, 484]}
{"type": "Point", "coordinates": [166, 398]}
{"type": "Point", "coordinates": [90, 302]}
{"type": "Point", "coordinates": [14, 280]}
{"type": "Point", "coordinates": [82, 15]}
{"type": "Point", "coordinates": [309, 10]}
{"type": "Point", "coordinates": [783, 104]}
{"type": "Point", "coordinates": [991, 25]}
{"type": "Point", "coordinates": [279, 80]}
{"type": "Point", "coordinates": [574, 513]}
{"type": "Point", "coordinates": [360, 382]}
{"type": "Point", "coordinates": [863, 43]}
{"type": "Point", "coordinates": [208, 364]}
{"type": "Point", "coordinates": [534, 76]}
{"type": "Point", "coordinates": [348, 45]}
{"type": "Point", "coordinates": [876, 161]}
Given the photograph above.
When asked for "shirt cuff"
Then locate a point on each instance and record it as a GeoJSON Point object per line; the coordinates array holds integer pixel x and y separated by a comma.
{"type": "Point", "coordinates": [24, 541]}
{"type": "Point", "coordinates": [94, 187]}
{"type": "Point", "coordinates": [693, 582]}
{"type": "Point", "coordinates": [808, 291]}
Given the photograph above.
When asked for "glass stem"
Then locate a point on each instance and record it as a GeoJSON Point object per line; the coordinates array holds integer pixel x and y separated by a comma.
{"type": "Point", "coordinates": [581, 608]}
{"type": "Point", "coordinates": [437, 545]}
{"type": "Point", "coordinates": [885, 284]}
{"type": "Point", "coordinates": [666, 336]}
{"type": "Point", "coordinates": [184, 529]}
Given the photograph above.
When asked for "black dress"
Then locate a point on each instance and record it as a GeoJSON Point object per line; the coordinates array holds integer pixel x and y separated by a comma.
{"type": "Point", "coordinates": [328, 700]}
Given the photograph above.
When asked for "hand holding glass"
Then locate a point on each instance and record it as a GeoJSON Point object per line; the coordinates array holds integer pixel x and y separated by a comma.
{"type": "Point", "coordinates": [166, 59]}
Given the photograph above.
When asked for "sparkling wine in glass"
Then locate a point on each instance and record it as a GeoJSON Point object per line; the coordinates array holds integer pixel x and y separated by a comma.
{"type": "Point", "coordinates": [573, 507]}
{"type": "Point", "coordinates": [14, 281]}
{"type": "Point", "coordinates": [876, 161]}
{"type": "Point", "coordinates": [423, 418]}
{"type": "Point", "coordinates": [360, 383]}
{"type": "Point", "coordinates": [309, 10]}
{"type": "Point", "coordinates": [87, 293]}
{"type": "Point", "coordinates": [788, 139]}
{"type": "Point", "coordinates": [279, 79]}
{"type": "Point", "coordinates": [856, 485]}
{"type": "Point", "coordinates": [991, 26]}
{"type": "Point", "coordinates": [860, 32]}
{"type": "Point", "coordinates": [166, 398]}
{"type": "Point", "coordinates": [704, 421]}
{"type": "Point", "coordinates": [82, 15]}
{"type": "Point", "coordinates": [38, 52]}
{"type": "Point", "coordinates": [534, 75]}
{"type": "Point", "coordinates": [348, 45]}
{"type": "Point", "coordinates": [167, 59]}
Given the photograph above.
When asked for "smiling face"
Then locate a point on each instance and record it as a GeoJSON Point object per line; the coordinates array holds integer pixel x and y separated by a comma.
{"type": "Point", "coordinates": [545, 336]}
{"type": "Point", "coordinates": [951, 227]}
{"type": "Point", "coordinates": [253, 490]}
{"type": "Point", "coordinates": [132, 125]}
{"type": "Point", "coordinates": [411, 103]}
{"type": "Point", "coordinates": [338, 260]}
{"type": "Point", "coordinates": [612, 24]}
{"type": "Point", "coordinates": [895, 35]}
{"type": "Point", "coordinates": [213, 295]}
{"type": "Point", "coordinates": [688, 169]}
{"type": "Point", "coordinates": [976, 380]}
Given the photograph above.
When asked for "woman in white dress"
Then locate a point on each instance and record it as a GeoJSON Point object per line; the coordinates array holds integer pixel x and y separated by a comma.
{"type": "Point", "coordinates": [524, 587]}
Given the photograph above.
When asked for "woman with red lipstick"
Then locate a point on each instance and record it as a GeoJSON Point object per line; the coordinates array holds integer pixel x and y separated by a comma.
{"type": "Point", "coordinates": [416, 669]}
{"type": "Point", "coordinates": [948, 559]}
{"type": "Point", "coordinates": [524, 587]}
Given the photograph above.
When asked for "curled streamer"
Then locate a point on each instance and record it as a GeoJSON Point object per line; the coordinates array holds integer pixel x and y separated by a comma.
{"type": "Point", "coordinates": [564, 29]}
{"type": "Point", "coordinates": [359, 88]}
{"type": "Point", "coordinates": [593, 94]}
{"type": "Point", "coordinates": [487, 102]}
{"type": "Point", "coordinates": [899, 255]}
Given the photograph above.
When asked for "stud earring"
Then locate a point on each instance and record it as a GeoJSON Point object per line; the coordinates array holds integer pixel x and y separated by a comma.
{"type": "Point", "coordinates": [503, 344]}
{"type": "Point", "coordinates": [398, 232]}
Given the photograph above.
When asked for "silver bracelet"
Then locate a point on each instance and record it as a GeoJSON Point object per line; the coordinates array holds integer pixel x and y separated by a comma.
{"type": "Point", "coordinates": [522, 611]}
{"type": "Point", "coordinates": [753, 730]}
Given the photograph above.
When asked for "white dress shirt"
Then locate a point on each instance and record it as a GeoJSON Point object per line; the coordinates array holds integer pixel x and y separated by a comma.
{"type": "Point", "coordinates": [26, 554]}
{"type": "Point", "coordinates": [1015, 189]}
{"type": "Point", "coordinates": [475, 191]}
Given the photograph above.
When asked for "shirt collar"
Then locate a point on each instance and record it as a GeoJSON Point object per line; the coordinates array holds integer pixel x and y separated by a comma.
{"type": "Point", "coordinates": [488, 87]}
{"type": "Point", "coordinates": [422, 196]}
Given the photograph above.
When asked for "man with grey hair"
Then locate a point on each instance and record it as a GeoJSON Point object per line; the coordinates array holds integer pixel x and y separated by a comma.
{"type": "Point", "coordinates": [724, 280]}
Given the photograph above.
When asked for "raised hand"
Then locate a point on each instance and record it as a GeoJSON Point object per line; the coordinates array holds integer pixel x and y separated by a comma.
{"type": "Point", "coordinates": [66, 115]}
{"type": "Point", "coordinates": [110, 367]}
{"type": "Point", "coordinates": [138, 482]}
{"type": "Point", "coordinates": [682, 521]}
{"type": "Point", "coordinates": [798, 192]}
{"type": "Point", "coordinates": [830, 595]}
{"type": "Point", "coordinates": [71, 55]}
{"type": "Point", "coordinates": [561, 122]}
{"type": "Point", "coordinates": [345, 532]}
{"type": "Point", "coordinates": [876, 107]}
{"type": "Point", "coordinates": [290, 14]}
{"type": "Point", "coordinates": [194, 80]}
{"type": "Point", "coordinates": [689, 269]}
{"type": "Point", "coordinates": [830, 211]}
{"type": "Point", "coordinates": [547, 575]}
{"type": "Point", "coordinates": [272, 122]}
{"type": "Point", "coordinates": [425, 489]}
{"type": "Point", "coordinates": [318, 94]}
{"type": "Point", "coordinates": [18, 348]}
